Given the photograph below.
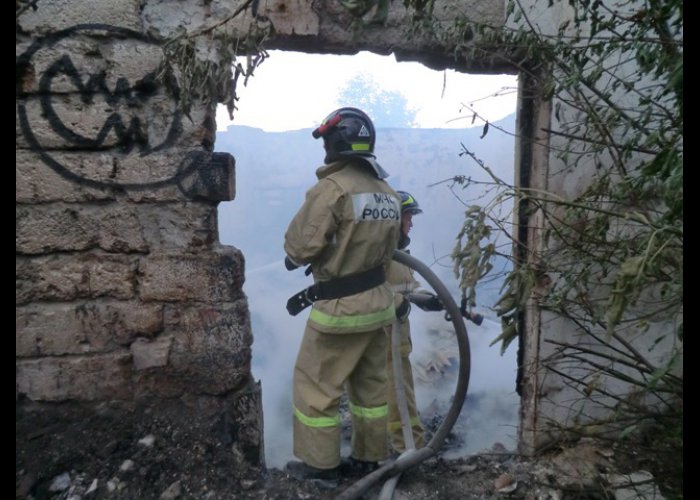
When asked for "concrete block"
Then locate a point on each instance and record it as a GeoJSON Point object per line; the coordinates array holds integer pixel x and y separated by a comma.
{"type": "Point", "coordinates": [80, 378]}
{"type": "Point", "coordinates": [184, 227]}
{"type": "Point", "coordinates": [37, 182]}
{"type": "Point", "coordinates": [214, 180]}
{"type": "Point", "coordinates": [71, 277]}
{"type": "Point", "coordinates": [211, 345]}
{"type": "Point", "coordinates": [208, 277]}
{"type": "Point", "coordinates": [61, 14]}
{"type": "Point", "coordinates": [89, 327]}
{"type": "Point", "coordinates": [69, 227]}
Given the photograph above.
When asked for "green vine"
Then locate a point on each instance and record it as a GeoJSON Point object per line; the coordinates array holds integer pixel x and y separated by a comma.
{"type": "Point", "coordinates": [611, 258]}
{"type": "Point", "coordinates": [207, 64]}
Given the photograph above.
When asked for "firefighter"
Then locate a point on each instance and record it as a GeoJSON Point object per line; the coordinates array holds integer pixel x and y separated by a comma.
{"type": "Point", "coordinates": [405, 287]}
{"type": "Point", "coordinates": [346, 230]}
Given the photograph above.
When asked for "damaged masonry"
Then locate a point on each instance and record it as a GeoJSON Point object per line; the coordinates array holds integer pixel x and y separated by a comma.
{"type": "Point", "coordinates": [133, 335]}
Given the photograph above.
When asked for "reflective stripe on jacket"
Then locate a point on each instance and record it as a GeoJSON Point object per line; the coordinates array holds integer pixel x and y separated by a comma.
{"type": "Point", "coordinates": [350, 222]}
{"type": "Point", "coordinates": [356, 410]}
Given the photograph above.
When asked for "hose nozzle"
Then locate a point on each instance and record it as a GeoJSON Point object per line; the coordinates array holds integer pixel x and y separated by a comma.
{"type": "Point", "coordinates": [476, 318]}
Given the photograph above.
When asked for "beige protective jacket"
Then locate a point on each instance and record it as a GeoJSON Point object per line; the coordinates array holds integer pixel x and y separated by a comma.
{"type": "Point", "coordinates": [350, 222]}
{"type": "Point", "coordinates": [402, 280]}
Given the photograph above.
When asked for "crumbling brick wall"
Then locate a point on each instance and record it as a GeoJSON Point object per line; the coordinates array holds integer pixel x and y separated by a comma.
{"type": "Point", "coordinates": [123, 292]}
{"type": "Point", "coordinates": [124, 295]}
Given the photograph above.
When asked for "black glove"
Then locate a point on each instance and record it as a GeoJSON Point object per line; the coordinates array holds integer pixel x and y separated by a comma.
{"type": "Point", "coordinates": [403, 310]}
{"type": "Point", "coordinates": [291, 266]}
{"type": "Point", "coordinates": [427, 301]}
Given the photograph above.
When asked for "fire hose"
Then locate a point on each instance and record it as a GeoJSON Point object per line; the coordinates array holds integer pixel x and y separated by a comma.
{"type": "Point", "coordinates": [412, 457]}
{"type": "Point", "coordinates": [423, 299]}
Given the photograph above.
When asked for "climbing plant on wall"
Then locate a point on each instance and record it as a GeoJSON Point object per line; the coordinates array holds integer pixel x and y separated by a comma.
{"type": "Point", "coordinates": [208, 63]}
{"type": "Point", "coordinates": [610, 254]}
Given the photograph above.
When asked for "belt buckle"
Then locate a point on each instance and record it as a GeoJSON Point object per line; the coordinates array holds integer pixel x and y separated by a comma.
{"type": "Point", "coordinates": [311, 294]}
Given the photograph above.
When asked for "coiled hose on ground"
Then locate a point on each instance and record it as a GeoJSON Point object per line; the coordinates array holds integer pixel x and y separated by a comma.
{"type": "Point", "coordinates": [412, 457]}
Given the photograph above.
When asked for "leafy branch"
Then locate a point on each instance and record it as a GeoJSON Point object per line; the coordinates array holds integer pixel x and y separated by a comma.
{"type": "Point", "coordinates": [608, 252]}
{"type": "Point", "coordinates": [205, 64]}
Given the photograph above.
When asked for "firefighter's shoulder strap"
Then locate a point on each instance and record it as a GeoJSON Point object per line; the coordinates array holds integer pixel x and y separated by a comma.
{"type": "Point", "coordinates": [336, 288]}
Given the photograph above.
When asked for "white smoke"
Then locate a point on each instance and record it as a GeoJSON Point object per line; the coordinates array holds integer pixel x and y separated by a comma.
{"type": "Point", "coordinates": [278, 335]}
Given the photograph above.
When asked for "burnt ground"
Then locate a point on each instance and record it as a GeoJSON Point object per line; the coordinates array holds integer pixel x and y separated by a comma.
{"type": "Point", "coordinates": [108, 456]}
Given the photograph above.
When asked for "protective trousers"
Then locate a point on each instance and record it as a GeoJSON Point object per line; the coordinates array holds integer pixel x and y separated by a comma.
{"type": "Point", "coordinates": [326, 364]}
{"type": "Point", "coordinates": [395, 432]}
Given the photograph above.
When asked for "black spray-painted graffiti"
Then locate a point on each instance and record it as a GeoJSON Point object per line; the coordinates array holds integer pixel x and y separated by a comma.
{"type": "Point", "coordinates": [131, 132]}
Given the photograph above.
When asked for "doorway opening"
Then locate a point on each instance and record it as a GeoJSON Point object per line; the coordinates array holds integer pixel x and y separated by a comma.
{"type": "Point", "coordinates": [425, 119]}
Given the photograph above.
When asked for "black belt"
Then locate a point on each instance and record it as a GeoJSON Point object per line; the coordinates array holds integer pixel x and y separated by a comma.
{"type": "Point", "coordinates": [336, 288]}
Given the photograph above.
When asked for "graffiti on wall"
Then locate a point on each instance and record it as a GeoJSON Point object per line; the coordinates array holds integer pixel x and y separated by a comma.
{"type": "Point", "coordinates": [69, 99]}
